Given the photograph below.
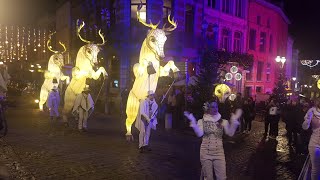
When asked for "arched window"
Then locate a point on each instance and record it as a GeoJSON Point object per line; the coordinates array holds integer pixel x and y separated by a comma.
{"type": "Point", "coordinates": [237, 45]}
{"type": "Point", "coordinates": [225, 41]}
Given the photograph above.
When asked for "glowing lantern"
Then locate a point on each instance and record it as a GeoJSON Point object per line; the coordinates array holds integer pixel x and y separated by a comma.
{"type": "Point", "coordinates": [222, 91]}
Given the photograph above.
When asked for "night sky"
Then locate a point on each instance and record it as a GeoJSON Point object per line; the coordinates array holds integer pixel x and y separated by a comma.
{"type": "Point", "coordinates": [305, 28]}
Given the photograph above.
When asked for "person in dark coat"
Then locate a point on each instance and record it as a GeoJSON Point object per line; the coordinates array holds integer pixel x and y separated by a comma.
{"type": "Point", "coordinates": [248, 114]}
{"type": "Point", "coordinates": [272, 119]}
{"type": "Point", "coordinates": [294, 112]}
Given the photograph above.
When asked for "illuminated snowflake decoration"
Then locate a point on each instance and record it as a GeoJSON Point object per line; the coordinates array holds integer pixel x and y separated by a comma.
{"type": "Point", "coordinates": [233, 70]}
{"type": "Point", "coordinates": [228, 76]}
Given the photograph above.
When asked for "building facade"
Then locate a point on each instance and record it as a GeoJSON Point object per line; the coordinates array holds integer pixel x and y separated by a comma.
{"type": "Point", "coordinates": [245, 26]}
{"type": "Point", "coordinates": [267, 39]}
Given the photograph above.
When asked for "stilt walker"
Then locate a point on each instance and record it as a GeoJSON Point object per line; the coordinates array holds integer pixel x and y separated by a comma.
{"type": "Point", "coordinates": [151, 52]}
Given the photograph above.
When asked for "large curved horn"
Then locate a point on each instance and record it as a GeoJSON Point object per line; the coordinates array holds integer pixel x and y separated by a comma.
{"type": "Point", "coordinates": [64, 47]}
{"type": "Point", "coordinates": [150, 25]}
{"type": "Point", "coordinates": [173, 26]}
{"type": "Point", "coordinates": [102, 37]}
{"type": "Point", "coordinates": [48, 43]}
{"type": "Point", "coordinates": [78, 31]}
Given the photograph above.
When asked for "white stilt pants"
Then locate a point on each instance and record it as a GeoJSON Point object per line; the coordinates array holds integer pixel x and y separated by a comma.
{"type": "Point", "coordinates": [144, 136]}
{"type": "Point", "coordinates": [83, 119]}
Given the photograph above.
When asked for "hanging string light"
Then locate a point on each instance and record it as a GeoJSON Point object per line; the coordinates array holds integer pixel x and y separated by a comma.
{"type": "Point", "coordinates": [15, 41]}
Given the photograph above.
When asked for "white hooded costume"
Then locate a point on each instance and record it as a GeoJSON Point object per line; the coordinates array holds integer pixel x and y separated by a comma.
{"type": "Point", "coordinates": [53, 102]}
{"type": "Point", "coordinates": [82, 105]}
{"type": "Point", "coordinates": [146, 119]}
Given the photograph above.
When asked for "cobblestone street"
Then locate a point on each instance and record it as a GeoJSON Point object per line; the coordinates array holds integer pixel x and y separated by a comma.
{"type": "Point", "coordinates": [34, 150]}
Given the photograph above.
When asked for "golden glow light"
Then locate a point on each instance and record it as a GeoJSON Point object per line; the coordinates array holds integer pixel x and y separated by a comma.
{"type": "Point", "coordinates": [36, 101]}
{"type": "Point", "coordinates": [318, 84]}
{"type": "Point", "coordinates": [234, 69]}
{"type": "Point", "coordinates": [222, 91]}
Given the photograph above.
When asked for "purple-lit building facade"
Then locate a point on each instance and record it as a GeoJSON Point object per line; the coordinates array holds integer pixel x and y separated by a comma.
{"type": "Point", "coordinates": [229, 24]}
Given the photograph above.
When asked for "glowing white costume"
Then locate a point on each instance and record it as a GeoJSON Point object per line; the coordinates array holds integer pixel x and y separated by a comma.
{"type": "Point", "coordinates": [54, 71]}
{"type": "Point", "coordinates": [151, 52]}
{"type": "Point", "coordinates": [83, 105]}
{"type": "Point", "coordinates": [144, 124]}
{"type": "Point", "coordinates": [313, 117]}
{"type": "Point", "coordinates": [53, 102]}
{"type": "Point", "coordinates": [86, 59]}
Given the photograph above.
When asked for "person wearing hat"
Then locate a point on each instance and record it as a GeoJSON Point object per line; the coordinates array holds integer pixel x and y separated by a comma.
{"type": "Point", "coordinates": [53, 103]}
{"type": "Point", "coordinates": [146, 120]}
{"type": "Point", "coordinates": [82, 107]}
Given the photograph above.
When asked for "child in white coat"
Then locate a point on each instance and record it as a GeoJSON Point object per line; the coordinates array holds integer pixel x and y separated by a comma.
{"type": "Point", "coordinates": [83, 106]}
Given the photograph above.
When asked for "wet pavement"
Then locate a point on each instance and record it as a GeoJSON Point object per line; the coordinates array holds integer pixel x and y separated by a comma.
{"type": "Point", "coordinates": [35, 149]}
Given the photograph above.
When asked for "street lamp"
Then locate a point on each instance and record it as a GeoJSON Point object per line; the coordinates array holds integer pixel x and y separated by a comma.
{"type": "Point", "coordinates": [281, 59]}
{"type": "Point", "coordinates": [294, 78]}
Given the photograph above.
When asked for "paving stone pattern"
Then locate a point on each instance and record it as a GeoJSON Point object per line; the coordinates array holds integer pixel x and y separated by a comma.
{"type": "Point", "coordinates": [36, 149]}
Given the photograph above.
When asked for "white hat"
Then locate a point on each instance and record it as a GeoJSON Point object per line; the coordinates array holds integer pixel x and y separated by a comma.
{"type": "Point", "coordinates": [150, 93]}
{"type": "Point", "coordinates": [86, 88]}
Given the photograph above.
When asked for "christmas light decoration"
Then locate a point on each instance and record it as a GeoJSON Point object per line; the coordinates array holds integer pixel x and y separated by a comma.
{"type": "Point", "coordinates": [234, 69]}
{"type": "Point", "coordinates": [15, 41]}
{"type": "Point", "coordinates": [228, 76]}
{"type": "Point", "coordinates": [310, 63]}
{"type": "Point", "coordinates": [238, 76]}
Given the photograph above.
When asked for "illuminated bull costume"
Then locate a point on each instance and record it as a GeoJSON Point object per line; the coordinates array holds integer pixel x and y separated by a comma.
{"type": "Point", "coordinates": [85, 61]}
{"type": "Point", "coordinates": [150, 55]}
{"type": "Point", "coordinates": [54, 72]}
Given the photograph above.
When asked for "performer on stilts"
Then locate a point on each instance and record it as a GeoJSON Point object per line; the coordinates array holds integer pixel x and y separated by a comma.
{"type": "Point", "coordinates": [151, 54]}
